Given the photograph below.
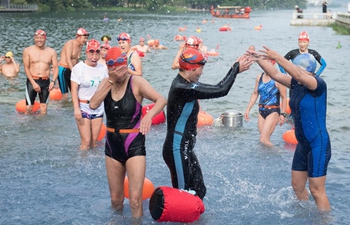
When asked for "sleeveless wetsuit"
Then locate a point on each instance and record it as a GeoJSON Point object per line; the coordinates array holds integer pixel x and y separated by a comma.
{"type": "Point", "coordinates": [130, 65]}
{"type": "Point", "coordinates": [124, 114]}
{"type": "Point", "coordinates": [295, 52]}
{"type": "Point", "coordinates": [43, 94]}
{"type": "Point", "coordinates": [313, 151]}
{"type": "Point", "coordinates": [64, 75]}
{"type": "Point", "coordinates": [269, 97]}
{"type": "Point", "coordinates": [182, 112]}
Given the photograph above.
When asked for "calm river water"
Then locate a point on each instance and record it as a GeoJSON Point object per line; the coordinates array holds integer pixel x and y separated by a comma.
{"type": "Point", "coordinates": [45, 179]}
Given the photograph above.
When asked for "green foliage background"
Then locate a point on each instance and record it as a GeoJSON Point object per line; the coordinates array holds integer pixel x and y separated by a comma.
{"type": "Point", "coordinates": [156, 5]}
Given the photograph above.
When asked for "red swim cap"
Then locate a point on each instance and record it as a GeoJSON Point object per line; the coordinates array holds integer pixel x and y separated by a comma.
{"type": "Point", "coordinates": [124, 37]}
{"type": "Point", "coordinates": [116, 57]}
{"type": "Point", "coordinates": [303, 36]}
{"type": "Point", "coordinates": [40, 32]}
{"type": "Point", "coordinates": [93, 45]}
{"type": "Point", "coordinates": [192, 58]}
{"type": "Point", "coordinates": [82, 32]}
{"type": "Point", "coordinates": [193, 42]}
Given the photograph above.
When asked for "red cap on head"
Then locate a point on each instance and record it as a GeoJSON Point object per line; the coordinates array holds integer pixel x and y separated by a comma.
{"type": "Point", "coordinates": [303, 36]}
{"type": "Point", "coordinates": [124, 37]}
{"type": "Point", "coordinates": [106, 46]}
{"type": "Point", "coordinates": [92, 45]}
{"type": "Point", "coordinates": [193, 42]}
{"type": "Point", "coordinates": [82, 32]}
{"type": "Point", "coordinates": [156, 42]}
{"type": "Point", "coordinates": [40, 32]}
{"type": "Point", "coordinates": [142, 39]}
{"type": "Point", "coordinates": [192, 58]}
{"type": "Point", "coordinates": [116, 57]}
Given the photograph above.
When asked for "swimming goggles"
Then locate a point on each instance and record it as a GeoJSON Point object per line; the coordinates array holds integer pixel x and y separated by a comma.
{"type": "Point", "coordinates": [203, 62]}
{"type": "Point", "coordinates": [122, 39]}
{"type": "Point", "coordinates": [118, 60]}
{"type": "Point", "coordinates": [93, 51]}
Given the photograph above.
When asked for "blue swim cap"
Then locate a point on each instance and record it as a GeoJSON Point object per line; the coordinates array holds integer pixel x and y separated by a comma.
{"type": "Point", "coordinates": [306, 61]}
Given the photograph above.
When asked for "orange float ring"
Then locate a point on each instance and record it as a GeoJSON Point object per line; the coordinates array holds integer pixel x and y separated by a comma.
{"type": "Point", "coordinates": [147, 190]}
{"type": "Point", "coordinates": [289, 137]}
{"type": "Point", "coordinates": [204, 118]}
{"type": "Point", "coordinates": [21, 106]}
{"type": "Point", "coordinates": [103, 131]}
{"type": "Point", "coordinates": [225, 28]}
{"type": "Point", "coordinates": [180, 38]}
{"type": "Point", "coordinates": [157, 119]}
{"type": "Point", "coordinates": [55, 94]}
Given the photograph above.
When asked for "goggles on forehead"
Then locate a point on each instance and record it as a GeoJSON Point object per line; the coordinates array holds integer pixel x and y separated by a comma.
{"type": "Point", "coordinates": [123, 39]}
{"type": "Point", "coordinates": [118, 60]}
{"type": "Point", "coordinates": [202, 62]}
{"type": "Point", "coordinates": [93, 51]}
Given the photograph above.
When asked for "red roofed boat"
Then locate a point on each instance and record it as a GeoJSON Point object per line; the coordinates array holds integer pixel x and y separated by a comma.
{"type": "Point", "coordinates": [235, 12]}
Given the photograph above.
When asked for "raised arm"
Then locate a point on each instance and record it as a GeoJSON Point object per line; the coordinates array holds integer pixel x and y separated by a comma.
{"type": "Point", "coordinates": [253, 98]}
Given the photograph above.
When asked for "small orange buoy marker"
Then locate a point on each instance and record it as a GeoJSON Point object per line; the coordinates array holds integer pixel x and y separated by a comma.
{"type": "Point", "coordinates": [204, 118]}
{"type": "Point", "coordinates": [21, 106]}
{"type": "Point", "coordinates": [289, 137]}
{"type": "Point", "coordinates": [103, 131]}
{"type": "Point", "coordinates": [147, 189]}
{"type": "Point", "coordinates": [55, 94]}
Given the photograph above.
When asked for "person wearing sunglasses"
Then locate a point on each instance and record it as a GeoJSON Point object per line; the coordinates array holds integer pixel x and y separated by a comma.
{"type": "Point", "coordinates": [10, 68]}
{"type": "Point", "coordinates": [182, 114]}
{"type": "Point", "coordinates": [134, 60]}
{"type": "Point", "coordinates": [125, 151]}
{"type": "Point", "coordinates": [38, 61]}
{"type": "Point", "coordinates": [85, 78]}
{"type": "Point", "coordinates": [70, 55]}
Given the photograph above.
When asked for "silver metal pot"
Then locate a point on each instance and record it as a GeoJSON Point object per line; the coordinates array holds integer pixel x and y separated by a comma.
{"type": "Point", "coordinates": [232, 119]}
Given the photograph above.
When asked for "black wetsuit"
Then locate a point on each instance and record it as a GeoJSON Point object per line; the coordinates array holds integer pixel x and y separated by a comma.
{"type": "Point", "coordinates": [182, 112]}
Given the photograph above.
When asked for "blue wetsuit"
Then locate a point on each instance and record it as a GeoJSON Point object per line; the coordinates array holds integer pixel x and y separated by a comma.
{"type": "Point", "coordinates": [295, 52]}
{"type": "Point", "coordinates": [124, 114]}
{"type": "Point", "coordinates": [313, 150]}
{"type": "Point", "coordinates": [182, 113]}
{"type": "Point", "coordinates": [269, 101]}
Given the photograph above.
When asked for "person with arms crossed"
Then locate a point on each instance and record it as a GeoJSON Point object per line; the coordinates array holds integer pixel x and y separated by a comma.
{"type": "Point", "coordinates": [308, 102]}
{"type": "Point", "coordinates": [182, 114]}
{"type": "Point", "coordinates": [37, 62]}
{"type": "Point", "coordinates": [10, 68]}
{"type": "Point", "coordinates": [70, 55]}
{"type": "Point", "coordinates": [86, 76]}
{"type": "Point", "coordinates": [122, 95]}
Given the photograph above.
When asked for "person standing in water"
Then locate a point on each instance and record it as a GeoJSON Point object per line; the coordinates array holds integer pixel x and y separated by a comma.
{"type": "Point", "coordinates": [308, 102]}
{"type": "Point", "coordinates": [37, 62]}
{"type": "Point", "coordinates": [10, 68]}
{"type": "Point", "coordinates": [70, 56]}
{"type": "Point", "coordinates": [182, 114]}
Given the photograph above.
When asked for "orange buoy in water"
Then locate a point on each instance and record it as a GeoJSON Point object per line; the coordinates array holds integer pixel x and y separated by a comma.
{"type": "Point", "coordinates": [258, 27]}
{"type": "Point", "coordinates": [180, 38]}
{"type": "Point", "coordinates": [157, 119]}
{"type": "Point", "coordinates": [21, 106]}
{"type": "Point", "coordinates": [140, 53]}
{"type": "Point", "coordinates": [103, 131]}
{"type": "Point", "coordinates": [147, 189]}
{"type": "Point", "coordinates": [55, 94]}
{"type": "Point", "coordinates": [204, 118]}
{"type": "Point", "coordinates": [289, 137]}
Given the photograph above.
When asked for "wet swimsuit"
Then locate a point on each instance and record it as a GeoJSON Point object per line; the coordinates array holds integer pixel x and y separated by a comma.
{"type": "Point", "coordinates": [64, 75]}
{"type": "Point", "coordinates": [295, 52]}
{"type": "Point", "coordinates": [182, 113]}
{"type": "Point", "coordinates": [130, 65]}
{"type": "Point", "coordinates": [124, 114]}
{"type": "Point", "coordinates": [269, 97]}
{"type": "Point", "coordinates": [43, 94]}
{"type": "Point", "coordinates": [313, 151]}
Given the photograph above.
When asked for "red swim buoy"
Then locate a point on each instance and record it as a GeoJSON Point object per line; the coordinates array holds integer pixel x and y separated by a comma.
{"type": "Point", "coordinates": [173, 205]}
{"type": "Point", "coordinates": [225, 28]}
{"type": "Point", "coordinates": [289, 137]}
{"type": "Point", "coordinates": [147, 189]}
{"type": "Point", "coordinates": [204, 118]}
{"type": "Point", "coordinates": [103, 131]}
{"type": "Point", "coordinates": [21, 106]}
{"type": "Point", "coordinates": [141, 54]}
{"type": "Point", "coordinates": [55, 94]}
{"type": "Point", "coordinates": [157, 119]}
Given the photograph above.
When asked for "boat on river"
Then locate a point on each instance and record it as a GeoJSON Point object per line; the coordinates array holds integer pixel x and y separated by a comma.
{"type": "Point", "coordinates": [235, 12]}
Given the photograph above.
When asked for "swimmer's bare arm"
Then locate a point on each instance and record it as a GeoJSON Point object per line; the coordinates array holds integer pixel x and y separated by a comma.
{"type": "Point", "coordinates": [253, 98]}
{"type": "Point", "coordinates": [100, 94]}
{"type": "Point", "coordinates": [68, 53]}
{"type": "Point", "coordinates": [136, 61]}
{"type": "Point", "coordinates": [54, 69]}
{"type": "Point", "coordinates": [175, 65]}
{"type": "Point", "coordinates": [26, 65]}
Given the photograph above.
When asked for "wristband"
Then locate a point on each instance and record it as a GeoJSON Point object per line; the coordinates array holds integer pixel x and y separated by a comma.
{"type": "Point", "coordinates": [284, 114]}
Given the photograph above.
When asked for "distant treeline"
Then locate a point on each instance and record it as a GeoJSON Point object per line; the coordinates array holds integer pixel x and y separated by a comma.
{"type": "Point", "coordinates": [157, 5]}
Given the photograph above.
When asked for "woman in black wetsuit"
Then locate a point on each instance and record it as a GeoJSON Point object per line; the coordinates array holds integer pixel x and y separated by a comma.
{"type": "Point", "coordinates": [182, 112]}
